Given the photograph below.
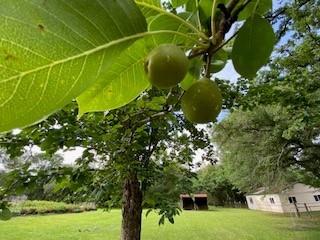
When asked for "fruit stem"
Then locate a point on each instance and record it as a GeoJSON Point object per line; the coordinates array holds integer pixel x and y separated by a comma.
{"type": "Point", "coordinates": [216, 49]}
{"type": "Point", "coordinates": [194, 54]}
{"type": "Point", "coordinates": [208, 62]}
{"type": "Point", "coordinates": [230, 15]}
{"type": "Point", "coordinates": [218, 35]}
{"type": "Point", "coordinates": [213, 13]}
{"type": "Point", "coordinates": [232, 4]}
{"type": "Point", "coordinates": [198, 16]}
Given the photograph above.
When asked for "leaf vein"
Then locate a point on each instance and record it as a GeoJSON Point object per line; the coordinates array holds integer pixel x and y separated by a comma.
{"type": "Point", "coordinates": [110, 15]}
{"type": "Point", "coordinates": [54, 16]}
{"type": "Point", "coordinates": [26, 49]}
{"type": "Point", "coordinates": [88, 20]}
{"type": "Point", "coordinates": [47, 30]}
{"type": "Point", "coordinates": [76, 81]}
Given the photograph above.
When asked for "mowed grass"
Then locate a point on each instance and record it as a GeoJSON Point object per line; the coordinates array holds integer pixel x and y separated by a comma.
{"type": "Point", "coordinates": [219, 224]}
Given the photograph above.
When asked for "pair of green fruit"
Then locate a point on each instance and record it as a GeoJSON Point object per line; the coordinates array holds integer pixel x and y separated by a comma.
{"type": "Point", "coordinates": [166, 66]}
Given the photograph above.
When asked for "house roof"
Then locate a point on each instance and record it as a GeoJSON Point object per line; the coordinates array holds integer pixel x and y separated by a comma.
{"type": "Point", "coordinates": [198, 195]}
{"type": "Point", "coordinates": [259, 191]}
{"type": "Point", "coordinates": [285, 190]}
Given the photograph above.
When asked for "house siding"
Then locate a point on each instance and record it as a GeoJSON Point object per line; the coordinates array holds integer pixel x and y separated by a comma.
{"type": "Point", "coordinates": [303, 194]}
{"type": "Point", "coordinates": [263, 202]}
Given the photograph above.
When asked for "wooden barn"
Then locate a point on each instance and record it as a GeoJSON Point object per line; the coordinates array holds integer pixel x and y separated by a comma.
{"type": "Point", "coordinates": [197, 201]}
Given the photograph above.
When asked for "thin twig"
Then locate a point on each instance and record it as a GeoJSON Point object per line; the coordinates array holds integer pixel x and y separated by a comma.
{"type": "Point", "coordinates": [232, 4]}
{"type": "Point", "coordinates": [226, 42]}
{"type": "Point", "coordinates": [208, 63]}
{"type": "Point", "coordinates": [237, 11]}
{"type": "Point", "coordinates": [196, 54]}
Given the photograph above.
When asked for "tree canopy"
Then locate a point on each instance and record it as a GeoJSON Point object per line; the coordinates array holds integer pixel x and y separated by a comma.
{"type": "Point", "coordinates": [272, 139]}
{"type": "Point", "coordinates": [93, 52]}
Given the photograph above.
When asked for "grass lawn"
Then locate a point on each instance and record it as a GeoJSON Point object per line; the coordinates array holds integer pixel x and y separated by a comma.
{"type": "Point", "coordinates": [220, 224]}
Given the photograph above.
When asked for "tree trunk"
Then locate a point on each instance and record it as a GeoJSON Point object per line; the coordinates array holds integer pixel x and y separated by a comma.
{"type": "Point", "coordinates": [131, 209]}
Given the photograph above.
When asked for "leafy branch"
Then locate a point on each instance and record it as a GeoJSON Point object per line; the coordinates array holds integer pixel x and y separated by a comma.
{"type": "Point", "coordinates": [230, 16]}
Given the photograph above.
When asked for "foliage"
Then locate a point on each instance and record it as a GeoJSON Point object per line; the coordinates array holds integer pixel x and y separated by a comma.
{"type": "Point", "coordinates": [96, 56]}
{"type": "Point", "coordinates": [273, 138]}
{"type": "Point", "coordinates": [254, 151]}
{"type": "Point", "coordinates": [114, 146]}
{"type": "Point", "coordinates": [32, 175]}
{"type": "Point", "coordinates": [97, 49]}
{"type": "Point", "coordinates": [248, 58]}
{"type": "Point", "coordinates": [214, 180]}
{"type": "Point", "coordinates": [163, 196]}
{"type": "Point", "coordinates": [30, 159]}
{"type": "Point", "coordinates": [43, 207]}
{"type": "Point", "coordinates": [51, 51]}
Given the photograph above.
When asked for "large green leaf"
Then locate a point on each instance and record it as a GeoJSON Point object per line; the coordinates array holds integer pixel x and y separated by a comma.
{"type": "Point", "coordinates": [123, 82]}
{"type": "Point", "coordinates": [188, 81]}
{"type": "Point", "coordinates": [253, 46]}
{"type": "Point", "coordinates": [164, 22]}
{"type": "Point", "coordinates": [177, 3]}
{"type": "Point", "coordinates": [205, 7]}
{"type": "Point", "coordinates": [191, 6]}
{"type": "Point", "coordinates": [154, 8]}
{"type": "Point", "coordinates": [51, 51]}
{"type": "Point", "coordinates": [126, 78]}
{"type": "Point", "coordinates": [149, 7]}
{"type": "Point", "coordinates": [219, 60]}
{"type": "Point", "coordinates": [255, 7]}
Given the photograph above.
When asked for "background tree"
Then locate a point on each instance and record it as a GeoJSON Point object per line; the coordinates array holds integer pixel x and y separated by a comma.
{"type": "Point", "coordinates": [213, 179]}
{"type": "Point", "coordinates": [130, 150]}
{"type": "Point", "coordinates": [273, 138]}
{"type": "Point", "coordinates": [173, 180]}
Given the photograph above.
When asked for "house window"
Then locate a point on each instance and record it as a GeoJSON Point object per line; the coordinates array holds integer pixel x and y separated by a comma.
{"type": "Point", "coordinates": [317, 198]}
{"type": "Point", "coordinates": [271, 200]}
{"type": "Point", "coordinates": [292, 199]}
{"type": "Point", "coordinates": [251, 200]}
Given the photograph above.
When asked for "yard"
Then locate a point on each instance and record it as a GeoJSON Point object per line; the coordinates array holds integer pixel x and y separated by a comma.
{"type": "Point", "coordinates": [218, 224]}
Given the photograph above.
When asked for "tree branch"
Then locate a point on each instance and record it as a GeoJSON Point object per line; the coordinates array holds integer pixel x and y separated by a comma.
{"type": "Point", "coordinates": [271, 17]}
{"type": "Point", "coordinates": [208, 63]}
{"type": "Point", "coordinates": [226, 42]}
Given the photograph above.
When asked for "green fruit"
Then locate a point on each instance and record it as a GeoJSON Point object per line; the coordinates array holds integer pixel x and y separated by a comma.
{"type": "Point", "coordinates": [5, 214]}
{"type": "Point", "coordinates": [166, 66]}
{"type": "Point", "coordinates": [202, 102]}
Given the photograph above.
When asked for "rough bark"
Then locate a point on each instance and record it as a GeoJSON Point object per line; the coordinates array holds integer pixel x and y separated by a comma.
{"type": "Point", "coordinates": [131, 209]}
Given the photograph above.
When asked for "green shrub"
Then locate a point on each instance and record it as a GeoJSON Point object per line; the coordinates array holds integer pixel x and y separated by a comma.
{"type": "Point", "coordinates": [45, 207]}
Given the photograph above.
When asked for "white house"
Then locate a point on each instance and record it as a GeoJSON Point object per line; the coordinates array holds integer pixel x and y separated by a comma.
{"type": "Point", "coordinates": [298, 196]}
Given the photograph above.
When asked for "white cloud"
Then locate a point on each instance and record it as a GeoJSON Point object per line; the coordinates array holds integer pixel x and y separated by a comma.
{"type": "Point", "coordinates": [71, 155]}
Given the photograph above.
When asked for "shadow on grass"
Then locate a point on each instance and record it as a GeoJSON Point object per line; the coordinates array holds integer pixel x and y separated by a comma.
{"type": "Point", "coordinates": [304, 223]}
{"type": "Point", "coordinates": [300, 227]}
{"type": "Point", "coordinates": [216, 208]}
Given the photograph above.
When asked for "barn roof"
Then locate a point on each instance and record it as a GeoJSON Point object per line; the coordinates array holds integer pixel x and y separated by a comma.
{"type": "Point", "coordinates": [199, 195]}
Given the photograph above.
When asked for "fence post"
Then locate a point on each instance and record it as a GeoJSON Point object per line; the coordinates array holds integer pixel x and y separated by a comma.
{"type": "Point", "coordinates": [305, 205]}
{"type": "Point", "coordinates": [297, 209]}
